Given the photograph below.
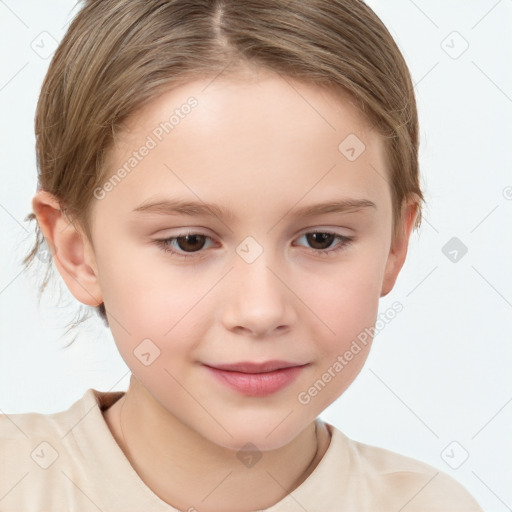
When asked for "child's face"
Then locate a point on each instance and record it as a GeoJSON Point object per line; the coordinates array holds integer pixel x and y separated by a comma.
{"type": "Point", "coordinates": [261, 150]}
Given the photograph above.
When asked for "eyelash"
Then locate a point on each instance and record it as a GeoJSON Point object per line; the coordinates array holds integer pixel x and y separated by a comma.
{"type": "Point", "coordinates": [165, 243]}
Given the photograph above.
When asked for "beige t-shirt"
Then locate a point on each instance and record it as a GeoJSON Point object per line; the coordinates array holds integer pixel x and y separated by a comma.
{"type": "Point", "coordinates": [69, 461]}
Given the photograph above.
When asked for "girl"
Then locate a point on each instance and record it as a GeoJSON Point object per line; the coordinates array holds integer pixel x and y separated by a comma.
{"type": "Point", "coordinates": [232, 185]}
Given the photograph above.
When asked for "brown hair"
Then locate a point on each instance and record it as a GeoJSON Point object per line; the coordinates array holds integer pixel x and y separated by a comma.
{"type": "Point", "coordinates": [119, 54]}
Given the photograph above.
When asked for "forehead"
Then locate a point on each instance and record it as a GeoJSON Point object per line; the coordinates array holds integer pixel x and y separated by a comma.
{"type": "Point", "coordinates": [241, 96]}
{"type": "Point", "coordinates": [257, 139]}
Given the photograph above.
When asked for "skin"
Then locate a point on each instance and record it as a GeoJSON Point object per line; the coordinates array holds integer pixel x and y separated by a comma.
{"type": "Point", "coordinates": [260, 146]}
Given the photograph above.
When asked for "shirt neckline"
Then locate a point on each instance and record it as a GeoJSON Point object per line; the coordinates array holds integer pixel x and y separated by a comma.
{"type": "Point", "coordinates": [113, 466]}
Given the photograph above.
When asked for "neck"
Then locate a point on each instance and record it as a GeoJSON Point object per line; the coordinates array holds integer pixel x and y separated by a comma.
{"type": "Point", "coordinates": [185, 470]}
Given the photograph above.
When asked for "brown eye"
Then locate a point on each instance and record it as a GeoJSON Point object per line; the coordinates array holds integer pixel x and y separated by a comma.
{"type": "Point", "coordinates": [320, 240]}
{"type": "Point", "coordinates": [180, 245]}
{"type": "Point", "coordinates": [191, 243]}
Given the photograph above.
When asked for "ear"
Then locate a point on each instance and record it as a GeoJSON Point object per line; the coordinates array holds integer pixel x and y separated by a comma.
{"type": "Point", "coordinates": [72, 252]}
{"type": "Point", "coordinates": [399, 247]}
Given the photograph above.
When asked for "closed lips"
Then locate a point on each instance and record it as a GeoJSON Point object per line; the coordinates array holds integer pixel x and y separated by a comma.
{"type": "Point", "coordinates": [251, 367]}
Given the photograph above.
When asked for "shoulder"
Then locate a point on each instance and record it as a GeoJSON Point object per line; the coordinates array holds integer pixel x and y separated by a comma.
{"type": "Point", "coordinates": [35, 440]}
{"type": "Point", "coordinates": [45, 459]}
{"type": "Point", "coordinates": [23, 427]}
{"type": "Point", "coordinates": [33, 425]}
{"type": "Point", "coordinates": [32, 452]}
{"type": "Point", "coordinates": [401, 482]}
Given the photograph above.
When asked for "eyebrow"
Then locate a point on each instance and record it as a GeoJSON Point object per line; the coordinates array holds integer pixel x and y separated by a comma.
{"type": "Point", "coordinates": [202, 209]}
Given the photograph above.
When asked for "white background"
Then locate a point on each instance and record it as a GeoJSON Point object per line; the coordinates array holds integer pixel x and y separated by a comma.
{"type": "Point", "coordinates": [440, 371]}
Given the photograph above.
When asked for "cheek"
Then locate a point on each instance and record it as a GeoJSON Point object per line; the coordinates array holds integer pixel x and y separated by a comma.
{"type": "Point", "coordinates": [345, 295]}
{"type": "Point", "coordinates": [140, 288]}
{"type": "Point", "coordinates": [153, 308]}
{"type": "Point", "coordinates": [347, 305]}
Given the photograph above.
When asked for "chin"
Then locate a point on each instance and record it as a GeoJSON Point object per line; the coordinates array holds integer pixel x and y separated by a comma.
{"type": "Point", "coordinates": [251, 436]}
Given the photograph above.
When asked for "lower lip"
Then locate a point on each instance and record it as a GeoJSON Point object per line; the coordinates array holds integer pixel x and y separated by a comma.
{"type": "Point", "coordinates": [257, 384]}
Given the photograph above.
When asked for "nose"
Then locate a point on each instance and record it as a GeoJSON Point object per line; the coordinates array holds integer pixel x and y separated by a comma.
{"type": "Point", "coordinates": [258, 300]}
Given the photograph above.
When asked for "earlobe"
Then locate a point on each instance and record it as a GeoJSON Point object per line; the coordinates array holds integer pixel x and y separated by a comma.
{"type": "Point", "coordinates": [72, 253]}
{"type": "Point", "coordinates": [398, 251]}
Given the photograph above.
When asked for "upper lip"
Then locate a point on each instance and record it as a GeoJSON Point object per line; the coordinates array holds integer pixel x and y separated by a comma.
{"type": "Point", "coordinates": [252, 367]}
